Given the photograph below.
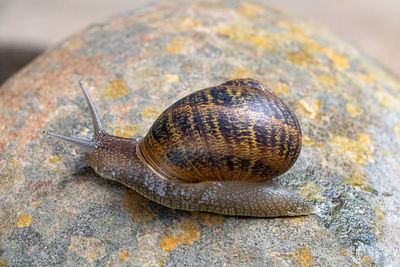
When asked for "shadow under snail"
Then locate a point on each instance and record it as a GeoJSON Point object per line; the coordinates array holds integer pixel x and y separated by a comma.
{"type": "Point", "coordinates": [215, 150]}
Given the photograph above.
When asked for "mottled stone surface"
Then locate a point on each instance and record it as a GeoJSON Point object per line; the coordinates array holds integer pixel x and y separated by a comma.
{"type": "Point", "coordinates": [55, 210]}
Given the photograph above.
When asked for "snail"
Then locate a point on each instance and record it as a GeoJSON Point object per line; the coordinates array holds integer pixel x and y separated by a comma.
{"type": "Point", "coordinates": [215, 150]}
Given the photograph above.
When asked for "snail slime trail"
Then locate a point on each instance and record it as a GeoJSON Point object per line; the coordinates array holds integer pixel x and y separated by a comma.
{"type": "Point", "coordinates": [215, 150]}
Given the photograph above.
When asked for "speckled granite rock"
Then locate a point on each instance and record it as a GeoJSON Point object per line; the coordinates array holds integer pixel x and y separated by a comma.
{"type": "Point", "coordinates": [54, 210]}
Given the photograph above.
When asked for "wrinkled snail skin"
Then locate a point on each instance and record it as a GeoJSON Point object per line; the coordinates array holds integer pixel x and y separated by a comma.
{"type": "Point", "coordinates": [175, 164]}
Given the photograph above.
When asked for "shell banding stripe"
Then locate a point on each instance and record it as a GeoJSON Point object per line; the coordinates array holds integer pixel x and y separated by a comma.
{"type": "Point", "coordinates": [227, 132]}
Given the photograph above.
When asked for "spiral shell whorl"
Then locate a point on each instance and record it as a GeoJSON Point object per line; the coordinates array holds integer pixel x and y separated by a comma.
{"type": "Point", "coordinates": [234, 131]}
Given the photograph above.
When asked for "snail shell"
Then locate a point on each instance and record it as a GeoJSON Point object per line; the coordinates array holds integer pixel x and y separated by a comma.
{"type": "Point", "coordinates": [234, 131]}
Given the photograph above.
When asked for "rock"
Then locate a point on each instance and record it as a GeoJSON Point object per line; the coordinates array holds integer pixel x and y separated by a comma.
{"type": "Point", "coordinates": [55, 210]}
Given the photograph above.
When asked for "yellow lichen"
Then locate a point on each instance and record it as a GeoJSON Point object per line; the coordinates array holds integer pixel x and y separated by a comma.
{"type": "Point", "coordinates": [209, 219]}
{"type": "Point", "coordinates": [337, 59]}
{"type": "Point", "coordinates": [308, 141]}
{"type": "Point", "coordinates": [126, 131]}
{"type": "Point", "coordinates": [358, 151]}
{"type": "Point", "coordinates": [379, 213]}
{"type": "Point", "coordinates": [13, 161]}
{"type": "Point", "coordinates": [388, 100]}
{"type": "Point", "coordinates": [357, 178]}
{"type": "Point", "coordinates": [261, 41]}
{"type": "Point", "coordinates": [75, 45]}
{"type": "Point", "coordinates": [36, 203]}
{"type": "Point", "coordinates": [171, 78]}
{"type": "Point", "coordinates": [396, 129]}
{"type": "Point", "coordinates": [343, 252]}
{"type": "Point", "coordinates": [135, 205]}
{"type": "Point", "coordinates": [3, 263]}
{"type": "Point", "coordinates": [250, 10]}
{"type": "Point", "coordinates": [240, 73]}
{"type": "Point", "coordinates": [303, 256]}
{"type": "Point", "coordinates": [24, 220]}
{"type": "Point", "coordinates": [353, 109]}
{"type": "Point", "coordinates": [301, 57]}
{"type": "Point", "coordinates": [367, 260]}
{"type": "Point", "coordinates": [326, 80]}
{"type": "Point", "coordinates": [282, 89]}
{"type": "Point", "coordinates": [115, 89]}
{"type": "Point", "coordinates": [366, 78]}
{"type": "Point", "coordinates": [309, 107]}
{"type": "Point", "coordinates": [312, 192]}
{"type": "Point", "coordinates": [187, 232]}
{"type": "Point", "coordinates": [124, 255]}
{"type": "Point", "coordinates": [187, 24]}
{"type": "Point", "coordinates": [55, 159]}
{"type": "Point", "coordinates": [150, 113]}
{"type": "Point", "coordinates": [243, 32]}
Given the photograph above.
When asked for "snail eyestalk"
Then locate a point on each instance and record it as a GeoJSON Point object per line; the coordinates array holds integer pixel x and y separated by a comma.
{"type": "Point", "coordinates": [97, 124]}
{"type": "Point", "coordinates": [77, 141]}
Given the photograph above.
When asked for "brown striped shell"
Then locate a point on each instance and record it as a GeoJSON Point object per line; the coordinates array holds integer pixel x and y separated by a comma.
{"type": "Point", "coordinates": [235, 131]}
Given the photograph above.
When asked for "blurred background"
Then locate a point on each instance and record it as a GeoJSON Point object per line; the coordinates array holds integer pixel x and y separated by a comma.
{"type": "Point", "coordinates": [29, 27]}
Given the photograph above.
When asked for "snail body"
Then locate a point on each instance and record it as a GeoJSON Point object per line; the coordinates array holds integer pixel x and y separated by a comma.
{"type": "Point", "coordinates": [215, 150]}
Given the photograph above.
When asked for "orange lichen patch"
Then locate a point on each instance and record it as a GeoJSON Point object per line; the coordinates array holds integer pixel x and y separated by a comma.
{"type": "Point", "coordinates": [142, 215]}
{"type": "Point", "coordinates": [187, 232]}
{"type": "Point", "coordinates": [308, 141]}
{"type": "Point", "coordinates": [301, 57]}
{"type": "Point", "coordinates": [174, 47]}
{"type": "Point", "coordinates": [187, 24]}
{"type": "Point", "coordinates": [282, 89]}
{"type": "Point", "coordinates": [353, 109]}
{"type": "Point", "coordinates": [134, 204]}
{"type": "Point", "coordinates": [312, 192]}
{"type": "Point", "coordinates": [367, 260]}
{"type": "Point", "coordinates": [89, 248]}
{"type": "Point", "coordinates": [124, 255]}
{"type": "Point", "coordinates": [150, 113]}
{"type": "Point", "coordinates": [303, 257]}
{"type": "Point", "coordinates": [379, 213]}
{"type": "Point", "coordinates": [337, 59]}
{"type": "Point", "coordinates": [169, 244]}
{"type": "Point", "coordinates": [13, 161]}
{"type": "Point", "coordinates": [357, 178]}
{"type": "Point", "coordinates": [24, 220]}
{"type": "Point", "coordinates": [366, 78]}
{"type": "Point", "coordinates": [387, 100]}
{"type": "Point", "coordinates": [209, 219]}
{"type": "Point", "coordinates": [240, 73]}
{"type": "Point", "coordinates": [180, 45]}
{"type": "Point", "coordinates": [171, 78]}
{"type": "Point", "coordinates": [359, 151]}
{"type": "Point", "coordinates": [126, 131]}
{"type": "Point", "coordinates": [309, 107]}
{"type": "Point", "coordinates": [36, 203]}
{"type": "Point", "coordinates": [250, 10]}
{"type": "Point", "coordinates": [115, 89]}
{"type": "Point", "coordinates": [396, 129]}
{"type": "Point", "coordinates": [55, 159]}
